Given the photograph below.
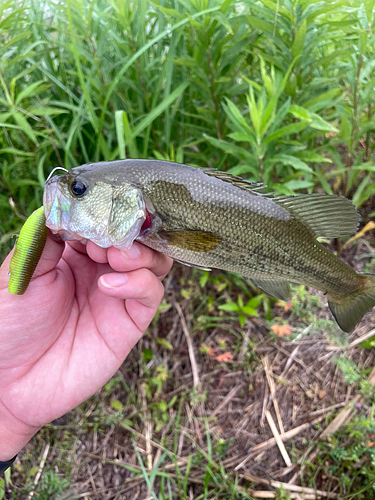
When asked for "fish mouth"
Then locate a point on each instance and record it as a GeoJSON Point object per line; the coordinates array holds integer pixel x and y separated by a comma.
{"type": "Point", "coordinates": [56, 209]}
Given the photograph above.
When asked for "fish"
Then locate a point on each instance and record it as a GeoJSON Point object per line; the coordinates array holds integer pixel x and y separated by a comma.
{"type": "Point", "coordinates": [211, 219]}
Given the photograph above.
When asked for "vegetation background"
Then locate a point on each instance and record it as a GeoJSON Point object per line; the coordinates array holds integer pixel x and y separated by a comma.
{"type": "Point", "coordinates": [277, 91]}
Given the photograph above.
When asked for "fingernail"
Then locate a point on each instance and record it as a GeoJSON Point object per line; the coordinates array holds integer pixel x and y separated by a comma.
{"type": "Point", "coordinates": [132, 253]}
{"type": "Point", "coordinates": [114, 280]}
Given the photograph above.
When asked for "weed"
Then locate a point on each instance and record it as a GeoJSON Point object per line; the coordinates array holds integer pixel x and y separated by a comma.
{"type": "Point", "coordinates": [348, 458]}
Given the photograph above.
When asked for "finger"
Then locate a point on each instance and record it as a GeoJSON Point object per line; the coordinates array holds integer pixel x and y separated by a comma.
{"type": "Point", "coordinates": [139, 256]}
{"type": "Point", "coordinates": [96, 253]}
{"type": "Point", "coordinates": [78, 246]}
{"type": "Point", "coordinates": [141, 290]}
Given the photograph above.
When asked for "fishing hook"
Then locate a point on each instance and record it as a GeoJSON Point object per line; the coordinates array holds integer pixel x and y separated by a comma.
{"type": "Point", "coordinates": [54, 170]}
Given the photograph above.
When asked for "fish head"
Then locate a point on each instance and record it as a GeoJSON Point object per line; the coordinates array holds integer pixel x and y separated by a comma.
{"type": "Point", "coordinates": [80, 207]}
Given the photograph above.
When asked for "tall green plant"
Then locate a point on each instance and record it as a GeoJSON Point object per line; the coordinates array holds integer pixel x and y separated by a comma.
{"type": "Point", "coordinates": [269, 127]}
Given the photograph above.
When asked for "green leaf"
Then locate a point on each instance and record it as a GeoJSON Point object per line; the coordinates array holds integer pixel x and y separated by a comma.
{"type": "Point", "coordinates": [294, 185]}
{"type": "Point", "coordinates": [240, 136]}
{"type": "Point", "coordinates": [117, 405]}
{"type": "Point", "coordinates": [236, 116]}
{"type": "Point", "coordinates": [368, 344]}
{"type": "Point", "coordinates": [150, 117]}
{"type": "Point", "coordinates": [204, 278]}
{"type": "Point", "coordinates": [368, 167]}
{"type": "Point", "coordinates": [266, 79]}
{"type": "Point", "coordinates": [345, 130]}
{"type": "Point", "coordinates": [187, 62]}
{"type": "Point", "coordinates": [259, 24]}
{"type": "Point", "coordinates": [319, 123]}
{"type": "Point", "coordinates": [250, 311]}
{"type": "Point", "coordinates": [119, 122]}
{"type": "Point", "coordinates": [47, 111]}
{"type": "Point", "coordinates": [315, 121]}
{"type": "Point", "coordinates": [312, 157]}
{"type": "Point", "coordinates": [325, 96]}
{"type": "Point", "coordinates": [147, 355]}
{"type": "Point", "coordinates": [363, 192]}
{"type": "Point", "coordinates": [165, 343]}
{"type": "Point", "coordinates": [255, 301]}
{"type": "Point", "coordinates": [242, 320]}
{"type": "Point", "coordinates": [15, 151]}
{"type": "Point", "coordinates": [255, 113]}
{"type": "Point", "coordinates": [32, 90]}
{"type": "Point", "coordinates": [223, 20]}
{"type": "Point", "coordinates": [299, 112]}
{"type": "Point", "coordinates": [320, 175]}
{"type": "Point", "coordinates": [299, 40]}
{"type": "Point", "coordinates": [246, 169]}
{"type": "Point", "coordinates": [2, 489]}
{"type": "Point", "coordinates": [292, 161]}
{"type": "Point", "coordinates": [293, 128]}
{"type": "Point", "coordinates": [236, 151]}
{"type": "Point", "coordinates": [40, 170]}
{"type": "Point", "coordinates": [25, 182]}
{"type": "Point", "coordinates": [25, 126]}
{"type": "Point", "coordinates": [229, 306]}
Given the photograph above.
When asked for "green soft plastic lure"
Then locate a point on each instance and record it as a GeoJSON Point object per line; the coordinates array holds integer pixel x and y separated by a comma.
{"type": "Point", "coordinates": [28, 250]}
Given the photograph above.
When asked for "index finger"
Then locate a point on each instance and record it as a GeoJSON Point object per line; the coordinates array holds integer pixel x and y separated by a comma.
{"type": "Point", "coordinates": [137, 257]}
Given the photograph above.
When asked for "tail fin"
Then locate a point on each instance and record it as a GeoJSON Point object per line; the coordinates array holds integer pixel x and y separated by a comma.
{"type": "Point", "coordinates": [348, 311]}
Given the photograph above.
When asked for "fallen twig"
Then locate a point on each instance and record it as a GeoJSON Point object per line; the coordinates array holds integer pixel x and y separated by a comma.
{"type": "Point", "coordinates": [288, 487]}
{"type": "Point", "coordinates": [40, 470]}
{"type": "Point", "coordinates": [278, 439]}
{"type": "Point", "coordinates": [355, 342]}
{"type": "Point", "coordinates": [271, 384]}
{"type": "Point", "coordinates": [194, 365]}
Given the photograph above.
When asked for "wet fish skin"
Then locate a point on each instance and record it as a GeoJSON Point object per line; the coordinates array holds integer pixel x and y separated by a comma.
{"type": "Point", "coordinates": [210, 219]}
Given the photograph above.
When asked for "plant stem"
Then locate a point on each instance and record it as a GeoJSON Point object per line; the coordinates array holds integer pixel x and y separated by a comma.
{"type": "Point", "coordinates": [214, 97]}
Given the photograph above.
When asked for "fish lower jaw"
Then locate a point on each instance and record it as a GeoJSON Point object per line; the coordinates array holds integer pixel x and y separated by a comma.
{"type": "Point", "coordinates": [64, 235]}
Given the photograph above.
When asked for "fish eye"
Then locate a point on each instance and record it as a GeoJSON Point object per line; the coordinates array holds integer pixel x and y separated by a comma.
{"type": "Point", "coordinates": [78, 188]}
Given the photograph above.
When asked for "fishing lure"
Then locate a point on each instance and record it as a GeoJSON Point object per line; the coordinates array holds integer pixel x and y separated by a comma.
{"type": "Point", "coordinates": [28, 250]}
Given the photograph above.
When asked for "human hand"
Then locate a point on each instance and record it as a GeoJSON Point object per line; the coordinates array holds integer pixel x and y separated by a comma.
{"type": "Point", "coordinates": [71, 330]}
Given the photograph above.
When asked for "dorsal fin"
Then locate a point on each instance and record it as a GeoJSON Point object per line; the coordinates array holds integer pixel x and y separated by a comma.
{"type": "Point", "coordinates": [254, 187]}
{"type": "Point", "coordinates": [326, 215]}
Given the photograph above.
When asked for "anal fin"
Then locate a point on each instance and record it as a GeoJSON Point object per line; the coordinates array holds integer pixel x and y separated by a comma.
{"type": "Point", "coordinates": [277, 288]}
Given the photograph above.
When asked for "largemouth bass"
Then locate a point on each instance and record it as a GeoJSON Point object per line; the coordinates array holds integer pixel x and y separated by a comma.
{"type": "Point", "coordinates": [211, 219]}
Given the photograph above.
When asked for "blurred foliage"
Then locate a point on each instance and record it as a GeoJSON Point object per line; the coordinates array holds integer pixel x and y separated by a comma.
{"type": "Point", "coordinates": [347, 458]}
{"type": "Point", "coordinates": [280, 91]}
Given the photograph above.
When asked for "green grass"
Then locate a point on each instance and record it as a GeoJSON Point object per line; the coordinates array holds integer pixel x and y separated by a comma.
{"type": "Point", "coordinates": [278, 91]}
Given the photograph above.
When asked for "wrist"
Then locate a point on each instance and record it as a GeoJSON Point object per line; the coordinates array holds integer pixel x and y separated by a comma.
{"type": "Point", "coordinates": [14, 435]}
{"type": "Point", "coordinates": [11, 444]}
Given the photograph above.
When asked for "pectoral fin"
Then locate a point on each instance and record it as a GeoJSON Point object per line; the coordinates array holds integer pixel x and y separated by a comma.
{"type": "Point", "coordinates": [195, 241]}
{"type": "Point", "coordinates": [279, 289]}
